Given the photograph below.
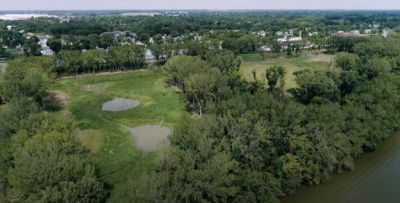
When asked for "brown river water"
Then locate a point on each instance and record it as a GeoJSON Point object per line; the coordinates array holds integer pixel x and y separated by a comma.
{"type": "Point", "coordinates": [375, 179]}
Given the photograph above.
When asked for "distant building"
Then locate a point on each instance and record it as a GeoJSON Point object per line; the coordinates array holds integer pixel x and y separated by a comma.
{"type": "Point", "coordinates": [23, 16]}
{"type": "Point", "coordinates": [279, 33]}
{"type": "Point", "coordinates": [341, 33]}
{"type": "Point", "coordinates": [295, 39]}
{"type": "Point", "coordinates": [290, 40]}
{"type": "Point", "coordinates": [47, 52]}
{"type": "Point", "coordinates": [148, 55]}
{"type": "Point", "coordinates": [30, 34]}
{"type": "Point", "coordinates": [385, 32]}
{"type": "Point", "coordinates": [134, 35]}
{"type": "Point", "coordinates": [43, 40]}
{"type": "Point", "coordinates": [368, 31]}
{"type": "Point", "coordinates": [265, 48]}
{"type": "Point", "coordinates": [21, 31]}
{"type": "Point", "coordinates": [9, 27]}
{"type": "Point", "coordinates": [354, 32]}
{"type": "Point", "coordinates": [151, 40]}
{"type": "Point", "coordinates": [261, 33]}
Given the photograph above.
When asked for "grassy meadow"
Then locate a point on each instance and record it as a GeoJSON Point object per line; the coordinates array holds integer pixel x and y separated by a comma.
{"type": "Point", "coordinates": [111, 145]}
{"type": "Point", "coordinates": [305, 61]}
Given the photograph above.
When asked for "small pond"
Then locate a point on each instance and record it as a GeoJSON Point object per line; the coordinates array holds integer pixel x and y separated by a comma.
{"type": "Point", "coordinates": [150, 138]}
{"type": "Point", "coordinates": [120, 104]}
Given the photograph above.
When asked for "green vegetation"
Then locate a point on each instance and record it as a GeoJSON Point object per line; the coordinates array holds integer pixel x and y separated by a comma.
{"type": "Point", "coordinates": [291, 65]}
{"type": "Point", "coordinates": [117, 157]}
{"type": "Point", "coordinates": [248, 126]}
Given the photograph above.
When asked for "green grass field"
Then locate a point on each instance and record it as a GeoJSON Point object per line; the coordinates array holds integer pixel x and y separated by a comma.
{"type": "Point", "coordinates": [310, 61]}
{"type": "Point", "coordinates": [112, 147]}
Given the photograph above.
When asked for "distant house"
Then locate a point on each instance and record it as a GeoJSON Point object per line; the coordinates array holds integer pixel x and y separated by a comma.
{"type": "Point", "coordinates": [261, 33]}
{"type": "Point", "coordinates": [148, 55]}
{"type": "Point", "coordinates": [21, 31]}
{"type": "Point", "coordinates": [295, 39]}
{"type": "Point", "coordinates": [47, 52]}
{"type": "Point", "coordinates": [375, 26]}
{"type": "Point", "coordinates": [134, 35]}
{"type": "Point", "coordinates": [43, 40]}
{"type": "Point", "coordinates": [340, 33]}
{"type": "Point", "coordinates": [151, 40]}
{"type": "Point", "coordinates": [368, 31]}
{"type": "Point", "coordinates": [279, 33]}
{"type": "Point", "coordinates": [197, 38]}
{"type": "Point", "coordinates": [265, 48]}
{"type": "Point", "coordinates": [30, 34]}
{"type": "Point", "coordinates": [9, 27]}
{"type": "Point", "coordinates": [354, 32]}
{"type": "Point", "coordinates": [385, 32]}
{"type": "Point", "coordinates": [282, 40]}
{"type": "Point", "coordinates": [290, 40]}
{"type": "Point", "coordinates": [117, 33]}
{"type": "Point", "coordinates": [140, 43]}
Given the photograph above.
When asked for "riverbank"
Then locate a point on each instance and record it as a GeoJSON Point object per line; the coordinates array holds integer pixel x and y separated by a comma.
{"type": "Point", "coordinates": [375, 179]}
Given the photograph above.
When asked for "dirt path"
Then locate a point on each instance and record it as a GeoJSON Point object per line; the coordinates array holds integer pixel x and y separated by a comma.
{"type": "Point", "coordinates": [61, 98]}
{"type": "Point", "coordinates": [3, 67]}
{"type": "Point", "coordinates": [309, 55]}
{"type": "Point", "coordinates": [105, 73]}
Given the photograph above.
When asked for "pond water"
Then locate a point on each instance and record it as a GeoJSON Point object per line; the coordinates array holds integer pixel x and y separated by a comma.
{"type": "Point", "coordinates": [120, 104]}
{"type": "Point", "coordinates": [150, 138]}
{"type": "Point", "coordinates": [376, 179]}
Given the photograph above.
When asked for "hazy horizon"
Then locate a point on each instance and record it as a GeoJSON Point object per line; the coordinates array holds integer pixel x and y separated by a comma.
{"type": "Point", "coordinates": [41, 5]}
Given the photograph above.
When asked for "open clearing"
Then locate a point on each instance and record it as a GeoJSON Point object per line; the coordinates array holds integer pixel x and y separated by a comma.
{"type": "Point", "coordinates": [110, 144]}
{"type": "Point", "coordinates": [306, 61]}
{"type": "Point", "coordinates": [100, 131]}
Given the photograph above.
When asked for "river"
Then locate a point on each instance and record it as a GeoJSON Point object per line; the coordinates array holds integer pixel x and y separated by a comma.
{"type": "Point", "coordinates": [375, 179]}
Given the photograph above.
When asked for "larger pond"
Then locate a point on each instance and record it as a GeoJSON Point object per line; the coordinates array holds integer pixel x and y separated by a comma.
{"type": "Point", "coordinates": [376, 179]}
{"type": "Point", "coordinates": [120, 104]}
{"type": "Point", "coordinates": [150, 138]}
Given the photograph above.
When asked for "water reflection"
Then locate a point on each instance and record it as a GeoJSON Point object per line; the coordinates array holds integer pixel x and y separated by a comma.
{"type": "Point", "coordinates": [376, 179]}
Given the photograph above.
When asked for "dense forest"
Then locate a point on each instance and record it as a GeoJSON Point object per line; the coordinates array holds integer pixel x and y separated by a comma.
{"type": "Point", "coordinates": [250, 141]}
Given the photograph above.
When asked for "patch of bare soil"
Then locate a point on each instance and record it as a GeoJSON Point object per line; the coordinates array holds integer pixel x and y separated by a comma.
{"type": "Point", "coordinates": [60, 97]}
{"type": "Point", "coordinates": [64, 114]}
{"type": "Point", "coordinates": [105, 73]}
{"type": "Point", "coordinates": [90, 139]}
{"type": "Point", "coordinates": [321, 57]}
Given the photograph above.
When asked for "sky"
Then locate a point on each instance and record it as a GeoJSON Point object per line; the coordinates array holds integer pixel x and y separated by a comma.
{"type": "Point", "coordinates": [196, 4]}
